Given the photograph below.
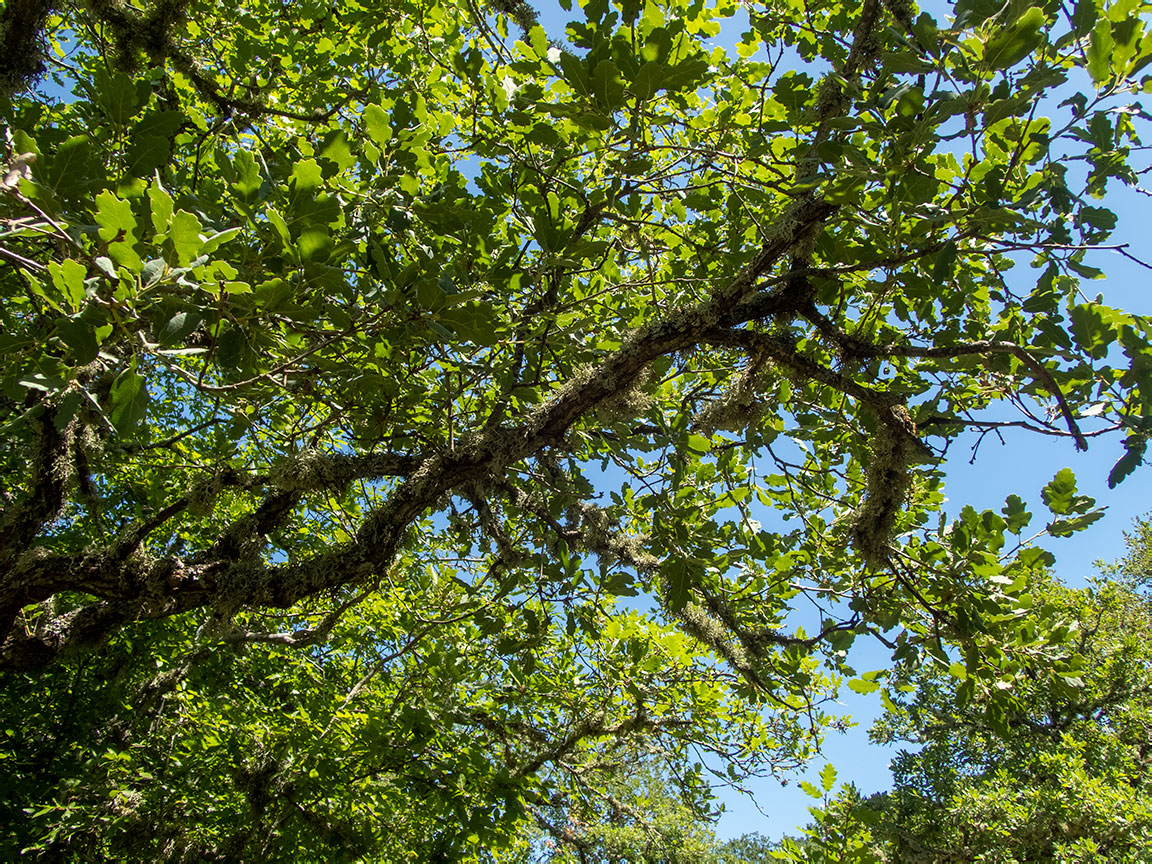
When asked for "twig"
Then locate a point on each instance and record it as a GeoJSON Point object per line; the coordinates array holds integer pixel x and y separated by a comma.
{"type": "Point", "coordinates": [20, 259]}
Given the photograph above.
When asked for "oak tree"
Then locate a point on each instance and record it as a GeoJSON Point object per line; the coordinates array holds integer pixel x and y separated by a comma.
{"type": "Point", "coordinates": [362, 361]}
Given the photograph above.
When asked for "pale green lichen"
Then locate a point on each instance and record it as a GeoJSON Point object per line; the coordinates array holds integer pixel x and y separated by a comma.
{"type": "Point", "coordinates": [784, 226]}
{"type": "Point", "coordinates": [629, 401]}
{"type": "Point", "coordinates": [599, 535]}
{"type": "Point", "coordinates": [738, 407]}
{"type": "Point", "coordinates": [202, 494]}
{"type": "Point", "coordinates": [701, 626]}
{"type": "Point", "coordinates": [244, 580]}
{"type": "Point", "coordinates": [310, 471]}
{"type": "Point", "coordinates": [887, 481]}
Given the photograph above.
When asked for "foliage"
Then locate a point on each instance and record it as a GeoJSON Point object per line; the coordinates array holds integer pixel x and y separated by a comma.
{"type": "Point", "coordinates": [754, 848]}
{"type": "Point", "coordinates": [1135, 568]}
{"type": "Point", "coordinates": [639, 817]}
{"type": "Point", "coordinates": [840, 833]}
{"type": "Point", "coordinates": [364, 362]}
{"type": "Point", "coordinates": [1069, 780]}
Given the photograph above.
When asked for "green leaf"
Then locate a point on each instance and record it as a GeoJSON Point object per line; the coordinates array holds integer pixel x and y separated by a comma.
{"type": "Point", "coordinates": [679, 578]}
{"type": "Point", "coordinates": [576, 74]}
{"type": "Point", "coordinates": [945, 263]}
{"type": "Point", "coordinates": [307, 176]}
{"type": "Point", "coordinates": [1084, 17]}
{"type": "Point", "coordinates": [185, 234]}
{"type": "Point", "coordinates": [67, 408]}
{"type": "Point", "coordinates": [648, 81]}
{"type": "Point", "coordinates": [607, 85]}
{"type": "Point", "coordinates": [1060, 494]}
{"type": "Point", "coordinates": [177, 328]}
{"type": "Point", "coordinates": [313, 243]}
{"type": "Point", "coordinates": [378, 125]}
{"type": "Point", "coordinates": [1096, 327]}
{"type": "Point", "coordinates": [972, 13]}
{"type": "Point", "coordinates": [1035, 557]}
{"type": "Point", "coordinates": [1013, 44]}
{"type": "Point", "coordinates": [474, 321]}
{"type": "Point", "coordinates": [1101, 46]}
{"type": "Point", "coordinates": [71, 170]}
{"type": "Point", "coordinates": [926, 32]}
{"type": "Point", "coordinates": [129, 400]}
{"type": "Point", "coordinates": [1098, 217]}
{"type": "Point", "coordinates": [232, 349]}
{"type": "Point", "coordinates": [685, 75]}
{"type": "Point", "coordinates": [1068, 527]}
{"type": "Point", "coordinates": [68, 277]}
{"type": "Point", "coordinates": [161, 206]}
{"type": "Point", "coordinates": [105, 266]}
{"type": "Point", "coordinates": [336, 153]}
{"type": "Point", "coordinates": [828, 777]}
{"type": "Point", "coordinates": [79, 336]}
{"type": "Point", "coordinates": [810, 789]}
{"type": "Point", "coordinates": [1016, 513]}
{"type": "Point", "coordinates": [278, 223]}
{"type": "Point", "coordinates": [145, 154]}
{"type": "Point", "coordinates": [215, 241]}
{"type": "Point", "coordinates": [150, 145]}
{"type": "Point", "coordinates": [1135, 446]}
{"type": "Point", "coordinates": [116, 95]}
{"type": "Point", "coordinates": [114, 217]}
{"type": "Point", "coordinates": [247, 180]}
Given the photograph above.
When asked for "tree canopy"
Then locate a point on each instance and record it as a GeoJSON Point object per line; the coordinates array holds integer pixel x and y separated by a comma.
{"type": "Point", "coordinates": [412, 414]}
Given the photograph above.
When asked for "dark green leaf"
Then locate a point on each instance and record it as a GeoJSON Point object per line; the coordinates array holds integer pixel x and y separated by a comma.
{"type": "Point", "coordinates": [1135, 447]}
{"type": "Point", "coordinates": [129, 401]}
{"type": "Point", "coordinates": [80, 338]}
{"type": "Point", "coordinates": [1017, 41]}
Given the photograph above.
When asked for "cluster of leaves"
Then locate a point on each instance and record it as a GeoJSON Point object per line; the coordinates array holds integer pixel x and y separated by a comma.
{"type": "Point", "coordinates": [1057, 772]}
{"type": "Point", "coordinates": [362, 361]}
{"type": "Point", "coordinates": [407, 747]}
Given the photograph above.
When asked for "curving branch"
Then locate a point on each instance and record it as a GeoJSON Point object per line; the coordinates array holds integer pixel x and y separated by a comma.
{"type": "Point", "coordinates": [1038, 369]}
{"type": "Point", "coordinates": [231, 574]}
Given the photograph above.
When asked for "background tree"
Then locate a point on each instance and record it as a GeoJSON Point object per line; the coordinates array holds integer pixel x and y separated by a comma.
{"type": "Point", "coordinates": [1063, 775]}
{"type": "Point", "coordinates": [358, 358]}
{"type": "Point", "coordinates": [840, 832]}
{"type": "Point", "coordinates": [639, 816]}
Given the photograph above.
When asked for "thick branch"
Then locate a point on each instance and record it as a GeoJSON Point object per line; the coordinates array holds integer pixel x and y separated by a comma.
{"type": "Point", "coordinates": [233, 572]}
{"type": "Point", "coordinates": [784, 352]}
{"type": "Point", "coordinates": [1038, 369]}
{"type": "Point", "coordinates": [493, 450]}
{"type": "Point", "coordinates": [19, 524]}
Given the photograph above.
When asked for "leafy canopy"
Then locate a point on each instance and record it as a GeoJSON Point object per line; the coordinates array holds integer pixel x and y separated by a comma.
{"type": "Point", "coordinates": [360, 358]}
